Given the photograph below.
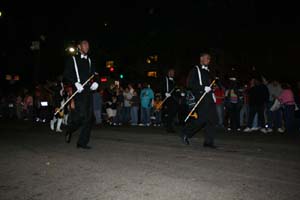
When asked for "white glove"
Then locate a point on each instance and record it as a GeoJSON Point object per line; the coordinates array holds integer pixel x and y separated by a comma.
{"type": "Point", "coordinates": [168, 95]}
{"type": "Point", "coordinates": [94, 86]}
{"type": "Point", "coordinates": [207, 89]}
{"type": "Point", "coordinates": [79, 87]}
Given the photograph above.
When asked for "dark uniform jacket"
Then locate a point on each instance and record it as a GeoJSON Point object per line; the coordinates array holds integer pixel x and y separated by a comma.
{"type": "Point", "coordinates": [85, 70]}
{"type": "Point", "coordinates": [167, 85]}
{"type": "Point", "coordinates": [193, 84]}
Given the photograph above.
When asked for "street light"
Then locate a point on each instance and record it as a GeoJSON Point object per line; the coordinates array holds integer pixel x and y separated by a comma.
{"type": "Point", "coordinates": [0, 14]}
{"type": "Point", "coordinates": [148, 60]}
{"type": "Point", "coordinates": [71, 49]}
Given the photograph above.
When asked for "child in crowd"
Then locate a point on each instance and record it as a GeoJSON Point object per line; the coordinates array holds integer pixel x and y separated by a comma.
{"type": "Point", "coordinates": [157, 110]}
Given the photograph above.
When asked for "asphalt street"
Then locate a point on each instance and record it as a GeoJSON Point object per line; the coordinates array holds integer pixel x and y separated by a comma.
{"type": "Point", "coordinates": [137, 163]}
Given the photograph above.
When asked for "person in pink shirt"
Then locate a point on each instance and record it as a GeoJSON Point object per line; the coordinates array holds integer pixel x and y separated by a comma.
{"type": "Point", "coordinates": [287, 97]}
{"type": "Point", "coordinates": [287, 100]}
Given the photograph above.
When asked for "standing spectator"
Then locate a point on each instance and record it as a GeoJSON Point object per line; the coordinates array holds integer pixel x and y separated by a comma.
{"type": "Point", "coordinates": [258, 98]}
{"type": "Point", "coordinates": [135, 102]}
{"type": "Point", "coordinates": [131, 89]}
{"type": "Point", "coordinates": [28, 106]}
{"type": "Point", "coordinates": [147, 97]}
{"type": "Point", "coordinates": [233, 96]}
{"type": "Point", "coordinates": [287, 99]}
{"type": "Point", "coordinates": [98, 101]}
{"type": "Point", "coordinates": [19, 106]}
{"type": "Point", "coordinates": [220, 95]}
{"type": "Point", "coordinates": [126, 110]}
{"type": "Point", "coordinates": [139, 90]}
{"type": "Point", "coordinates": [120, 105]}
{"type": "Point", "coordinates": [297, 110]}
{"type": "Point", "coordinates": [2, 106]}
{"type": "Point", "coordinates": [244, 113]}
{"type": "Point", "coordinates": [37, 103]}
{"type": "Point", "coordinates": [11, 105]}
{"type": "Point", "coordinates": [274, 117]}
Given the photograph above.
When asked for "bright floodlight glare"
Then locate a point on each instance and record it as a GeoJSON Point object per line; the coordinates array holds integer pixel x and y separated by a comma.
{"type": "Point", "coordinates": [0, 14]}
{"type": "Point", "coordinates": [71, 50]}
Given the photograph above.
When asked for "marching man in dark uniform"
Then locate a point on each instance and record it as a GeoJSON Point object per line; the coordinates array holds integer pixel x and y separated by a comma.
{"type": "Point", "coordinates": [78, 69]}
{"type": "Point", "coordinates": [199, 82]}
{"type": "Point", "coordinates": [171, 105]}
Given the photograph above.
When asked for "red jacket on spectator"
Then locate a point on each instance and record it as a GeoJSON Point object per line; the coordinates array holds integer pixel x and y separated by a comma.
{"type": "Point", "coordinates": [220, 95]}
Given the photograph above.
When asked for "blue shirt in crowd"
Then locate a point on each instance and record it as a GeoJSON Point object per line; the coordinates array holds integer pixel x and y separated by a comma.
{"type": "Point", "coordinates": [146, 96]}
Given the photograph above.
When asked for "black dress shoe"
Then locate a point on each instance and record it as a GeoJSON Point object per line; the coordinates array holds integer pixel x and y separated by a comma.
{"type": "Point", "coordinates": [68, 137]}
{"type": "Point", "coordinates": [209, 145]}
{"type": "Point", "coordinates": [83, 146]}
{"type": "Point", "coordinates": [185, 140]}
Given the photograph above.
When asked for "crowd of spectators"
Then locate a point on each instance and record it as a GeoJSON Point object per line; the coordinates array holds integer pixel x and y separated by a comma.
{"type": "Point", "coordinates": [257, 105]}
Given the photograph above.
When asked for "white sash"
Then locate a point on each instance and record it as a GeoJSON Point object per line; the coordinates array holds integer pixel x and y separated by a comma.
{"type": "Point", "coordinates": [167, 84]}
{"type": "Point", "coordinates": [199, 75]}
{"type": "Point", "coordinates": [76, 68]}
{"type": "Point", "coordinates": [200, 82]}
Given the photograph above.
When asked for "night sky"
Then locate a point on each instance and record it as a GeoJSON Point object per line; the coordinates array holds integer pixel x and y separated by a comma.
{"type": "Point", "coordinates": [239, 34]}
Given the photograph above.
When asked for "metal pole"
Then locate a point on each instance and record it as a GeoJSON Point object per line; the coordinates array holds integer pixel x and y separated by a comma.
{"type": "Point", "coordinates": [71, 97]}
{"type": "Point", "coordinates": [198, 102]}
